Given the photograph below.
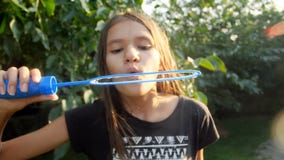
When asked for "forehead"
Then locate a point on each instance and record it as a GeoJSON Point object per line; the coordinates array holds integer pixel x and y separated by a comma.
{"type": "Point", "coordinates": [128, 30]}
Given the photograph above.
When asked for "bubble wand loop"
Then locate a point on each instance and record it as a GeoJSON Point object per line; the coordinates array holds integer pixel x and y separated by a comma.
{"type": "Point", "coordinates": [48, 85]}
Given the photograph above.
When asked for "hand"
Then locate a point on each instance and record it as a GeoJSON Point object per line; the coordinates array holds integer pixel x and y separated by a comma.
{"type": "Point", "coordinates": [24, 75]}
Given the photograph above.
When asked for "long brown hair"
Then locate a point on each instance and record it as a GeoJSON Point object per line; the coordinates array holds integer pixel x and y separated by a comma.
{"type": "Point", "coordinates": [117, 127]}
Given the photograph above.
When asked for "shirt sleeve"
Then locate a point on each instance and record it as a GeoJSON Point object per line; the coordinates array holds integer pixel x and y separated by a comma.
{"type": "Point", "coordinates": [75, 122]}
{"type": "Point", "coordinates": [207, 131]}
{"type": "Point", "coordinates": [82, 124]}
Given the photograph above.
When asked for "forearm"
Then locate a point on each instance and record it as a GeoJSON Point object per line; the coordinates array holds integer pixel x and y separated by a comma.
{"type": "Point", "coordinates": [200, 154]}
{"type": "Point", "coordinates": [39, 141]}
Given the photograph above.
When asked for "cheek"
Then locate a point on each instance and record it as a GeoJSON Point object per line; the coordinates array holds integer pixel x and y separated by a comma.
{"type": "Point", "coordinates": [156, 59]}
{"type": "Point", "coordinates": [110, 63]}
{"type": "Point", "coordinates": [115, 64]}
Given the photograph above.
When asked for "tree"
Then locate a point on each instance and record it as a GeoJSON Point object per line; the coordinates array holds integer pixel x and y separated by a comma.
{"type": "Point", "coordinates": [232, 31]}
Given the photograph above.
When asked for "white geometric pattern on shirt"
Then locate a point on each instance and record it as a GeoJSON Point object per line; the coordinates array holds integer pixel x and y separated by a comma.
{"type": "Point", "coordinates": [155, 147]}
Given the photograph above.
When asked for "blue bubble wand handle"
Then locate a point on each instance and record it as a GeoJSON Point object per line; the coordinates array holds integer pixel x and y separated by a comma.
{"type": "Point", "coordinates": [46, 86]}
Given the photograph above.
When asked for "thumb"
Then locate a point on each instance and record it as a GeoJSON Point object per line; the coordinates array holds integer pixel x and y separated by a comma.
{"type": "Point", "coordinates": [11, 106]}
{"type": "Point", "coordinates": [41, 98]}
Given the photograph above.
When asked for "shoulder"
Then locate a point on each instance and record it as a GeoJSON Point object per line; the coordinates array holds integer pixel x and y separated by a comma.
{"type": "Point", "coordinates": [203, 123]}
{"type": "Point", "coordinates": [193, 105]}
{"type": "Point", "coordinates": [97, 106]}
{"type": "Point", "coordinates": [87, 112]}
{"type": "Point", "coordinates": [83, 123]}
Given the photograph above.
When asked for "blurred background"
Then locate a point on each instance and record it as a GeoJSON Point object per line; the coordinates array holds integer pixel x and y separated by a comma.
{"type": "Point", "coordinates": [242, 81]}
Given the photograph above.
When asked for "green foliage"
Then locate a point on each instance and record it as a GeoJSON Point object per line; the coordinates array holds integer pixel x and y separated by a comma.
{"type": "Point", "coordinates": [211, 62]}
{"type": "Point", "coordinates": [224, 32]}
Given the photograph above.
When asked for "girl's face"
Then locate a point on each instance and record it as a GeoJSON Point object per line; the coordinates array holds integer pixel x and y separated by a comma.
{"type": "Point", "coordinates": [130, 49]}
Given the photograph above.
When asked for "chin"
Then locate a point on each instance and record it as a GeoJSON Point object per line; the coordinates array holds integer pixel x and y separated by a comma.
{"type": "Point", "coordinates": [136, 89]}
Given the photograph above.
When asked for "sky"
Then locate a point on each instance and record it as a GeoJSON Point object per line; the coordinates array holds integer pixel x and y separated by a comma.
{"type": "Point", "coordinates": [279, 4]}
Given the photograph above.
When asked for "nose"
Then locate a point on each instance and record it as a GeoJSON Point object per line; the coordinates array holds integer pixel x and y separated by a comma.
{"type": "Point", "coordinates": [132, 55]}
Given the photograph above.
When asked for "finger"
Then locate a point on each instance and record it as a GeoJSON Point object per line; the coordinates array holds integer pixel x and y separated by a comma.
{"type": "Point", "coordinates": [3, 76]}
{"type": "Point", "coordinates": [36, 75]}
{"type": "Point", "coordinates": [24, 76]}
{"type": "Point", "coordinates": [12, 75]}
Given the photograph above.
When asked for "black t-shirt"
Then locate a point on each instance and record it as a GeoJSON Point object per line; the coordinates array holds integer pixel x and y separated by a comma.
{"type": "Point", "coordinates": [189, 128]}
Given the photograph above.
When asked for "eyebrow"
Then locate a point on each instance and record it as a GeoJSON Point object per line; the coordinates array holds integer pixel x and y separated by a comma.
{"type": "Point", "coordinates": [115, 41]}
{"type": "Point", "coordinates": [144, 38]}
{"type": "Point", "coordinates": [136, 38]}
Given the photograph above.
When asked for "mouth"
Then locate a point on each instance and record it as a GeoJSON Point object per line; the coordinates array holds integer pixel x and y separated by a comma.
{"type": "Point", "coordinates": [133, 70]}
{"type": "Point", "coordinates": [131, 74]}
{"type": "Point", "coordinates": [134, 76]}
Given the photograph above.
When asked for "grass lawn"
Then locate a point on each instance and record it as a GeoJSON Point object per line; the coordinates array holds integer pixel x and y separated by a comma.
{"type": "Point", "coordinates": [240, 138]}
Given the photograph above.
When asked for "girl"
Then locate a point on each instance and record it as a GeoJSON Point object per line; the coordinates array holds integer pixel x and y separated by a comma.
{"type": "Point", "coordinates": [137, 121]}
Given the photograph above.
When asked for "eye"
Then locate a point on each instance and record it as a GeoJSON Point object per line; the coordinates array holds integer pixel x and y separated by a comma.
{"type": "Point", "coordinates": [114, 51]}
{"type": "Point", "coordinates": [144, 47]}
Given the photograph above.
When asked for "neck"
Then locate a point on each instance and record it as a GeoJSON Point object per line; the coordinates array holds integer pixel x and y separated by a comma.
{"type": "Point", "coordinates": [152, 108]}
{"type": "Point", "coordinates": [146, 103]}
